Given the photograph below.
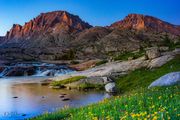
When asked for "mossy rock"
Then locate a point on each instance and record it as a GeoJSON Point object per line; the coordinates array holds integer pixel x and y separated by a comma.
{"type": "Point", "coordinates": [62, 83]}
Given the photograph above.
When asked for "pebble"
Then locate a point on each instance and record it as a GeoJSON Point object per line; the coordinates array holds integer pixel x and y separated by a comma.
{"type": "Point", "coordinates": [61, 96]}
{"type": "Point", "coordinates": [65, 99]}
{"type": "Point", "coordinates": [15, 97]}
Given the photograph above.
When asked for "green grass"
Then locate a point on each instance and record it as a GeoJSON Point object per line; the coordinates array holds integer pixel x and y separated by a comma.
{"type": "Point", "coordinates": [158, 103]}
{"type": "Point", "coordinates": [90, 86]}
{"type": "Point", "coordinates": [67, 81]}
{"type": "Point", "coordinates": [127, 55]}
{"type": "Point", "coordinates": [143, 77]}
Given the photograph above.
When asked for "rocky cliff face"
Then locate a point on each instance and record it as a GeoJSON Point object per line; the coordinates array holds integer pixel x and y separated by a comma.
{"type": "Point", "coordinates": [53, 22]}
{"type": "Point", "coordinates": [143, 22]}
{"type": "Point", "coordinates": [60, 35]}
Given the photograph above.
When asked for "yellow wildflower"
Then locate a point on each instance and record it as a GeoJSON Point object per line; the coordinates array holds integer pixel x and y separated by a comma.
{"type": "Point", "coordinates": [95, 118]}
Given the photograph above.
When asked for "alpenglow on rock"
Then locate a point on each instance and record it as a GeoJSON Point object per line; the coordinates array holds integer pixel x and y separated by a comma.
{"type": "Point", "coordinates": [167, 80]}
{"type": "Point", "coordinates": [52, 22]}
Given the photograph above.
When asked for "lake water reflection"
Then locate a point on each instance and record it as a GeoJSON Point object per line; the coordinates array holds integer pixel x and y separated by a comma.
{"type": "Point", "coordinates": [19, 100]}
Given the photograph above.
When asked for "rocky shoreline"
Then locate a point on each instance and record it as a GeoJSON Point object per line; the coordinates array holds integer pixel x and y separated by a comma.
{"type": "Point", "coordinates": [105, 73]}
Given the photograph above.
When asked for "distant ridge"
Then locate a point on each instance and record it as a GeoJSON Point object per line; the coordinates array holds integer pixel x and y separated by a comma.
{"type": "Point", "coordinates": [60, 35]}
{"type": "Point", "coordinates": [62, 21]}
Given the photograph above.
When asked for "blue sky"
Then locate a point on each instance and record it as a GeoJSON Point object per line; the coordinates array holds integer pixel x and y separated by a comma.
{"type": "Point", "coordinates": [95, 12]}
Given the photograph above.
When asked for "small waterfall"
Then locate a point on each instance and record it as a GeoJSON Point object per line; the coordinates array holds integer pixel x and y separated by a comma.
{"type": "Point", "coordinates": [40, 69]}
{"type": "Point", "coordinates": [44, 73]}
{"type": "Point", "coordinates": [54, 72]}
{"type": "Point", "coordinates": [63, 72]}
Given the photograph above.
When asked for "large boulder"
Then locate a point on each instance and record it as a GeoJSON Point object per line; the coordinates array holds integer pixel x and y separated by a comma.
{"type": "Point", "coordinates": [167, 80]}
{"type": "Point", "coordinates": [158, 62]}
{"type": "Point", "coordinates": [93, 80]}
{"type": "Point", "coordinates": [174, 52]}
{"type": "Point", "coordinates": [107, 80]}
{"type": "Point", "coordinates": [88, 80]}
{"type": "Point", "coordinates": [152, 52]}
{"type": "Point", "coordinates": [110, 87]}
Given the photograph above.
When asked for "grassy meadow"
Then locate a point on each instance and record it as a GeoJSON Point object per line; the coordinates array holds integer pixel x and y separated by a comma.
{"type": "Point", "coordinates": [134, 101]}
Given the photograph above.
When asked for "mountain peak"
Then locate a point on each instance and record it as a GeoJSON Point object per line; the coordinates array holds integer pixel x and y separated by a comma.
{"type": "Point", "coordinates": [145, 22]}
{"type": "Point", "coordinates": [55, 21]}
{"type": "Point", "coordinates": [131, 21]}
{"type": "Point", "coordinates": [134, 15]}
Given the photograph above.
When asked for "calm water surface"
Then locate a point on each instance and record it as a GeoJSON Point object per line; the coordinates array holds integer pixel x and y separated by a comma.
{"type": "Point", "coordinates": [34, 99]}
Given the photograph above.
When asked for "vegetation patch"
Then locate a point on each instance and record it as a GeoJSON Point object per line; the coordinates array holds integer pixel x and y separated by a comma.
{"type": "Point", "coordinates": [85, 86]}
{"type": "Point", "coordinates": [61, 83]}
{"type": "Point", "coordinates": [127, 55]}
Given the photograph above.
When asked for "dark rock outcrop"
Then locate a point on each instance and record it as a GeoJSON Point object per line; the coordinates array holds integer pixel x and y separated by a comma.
{"type": "Point", "coordinates": [21, 71]}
